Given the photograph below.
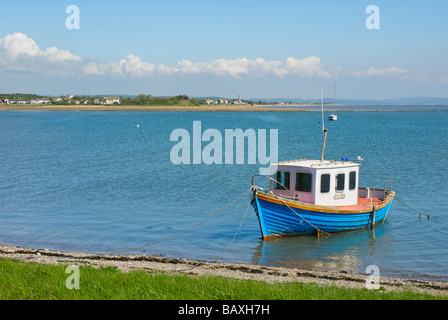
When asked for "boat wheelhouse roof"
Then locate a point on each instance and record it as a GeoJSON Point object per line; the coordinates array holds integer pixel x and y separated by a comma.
{"type": "Point", "coordinates": [328, 164]}
{"type": "Point", "coordinates": [326, 182]}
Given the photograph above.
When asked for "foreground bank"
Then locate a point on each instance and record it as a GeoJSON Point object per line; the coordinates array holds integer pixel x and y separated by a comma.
{"type": "Point", "coordinates": [165, 278]}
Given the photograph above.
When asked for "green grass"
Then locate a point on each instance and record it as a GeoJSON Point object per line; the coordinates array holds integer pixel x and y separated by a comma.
{"type": "Point", "coordinates": [33, 281]}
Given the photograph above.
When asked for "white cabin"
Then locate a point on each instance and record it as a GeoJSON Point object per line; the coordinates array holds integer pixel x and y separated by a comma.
{"type": "Point", "coordinates": [326, 183]}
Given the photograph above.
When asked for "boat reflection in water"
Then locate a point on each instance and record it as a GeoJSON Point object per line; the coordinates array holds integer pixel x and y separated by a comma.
{"type": "Point", "coordinates": [351, 252]}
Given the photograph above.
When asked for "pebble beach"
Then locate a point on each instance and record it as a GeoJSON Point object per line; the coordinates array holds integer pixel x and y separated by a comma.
{"type": "Point", "coordinates": [126, 263]}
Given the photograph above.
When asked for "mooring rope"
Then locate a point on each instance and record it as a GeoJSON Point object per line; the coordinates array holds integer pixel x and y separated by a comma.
{"type": "Point", "coordinates": [236, 233]}
{"type": "Point", "coordinates": [224, 251]}
{"type": "Point", "coordinates": [319, 231]}
{"type": "Point", "coordinates": [185, 230]}
{"type": "Point", "coordinates": [421, 213]}
{"type": "Point", "coordinates": [255, 188]}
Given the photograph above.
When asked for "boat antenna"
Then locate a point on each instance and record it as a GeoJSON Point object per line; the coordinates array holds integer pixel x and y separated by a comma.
{"type": "Point", "coordinates": [323, 125]}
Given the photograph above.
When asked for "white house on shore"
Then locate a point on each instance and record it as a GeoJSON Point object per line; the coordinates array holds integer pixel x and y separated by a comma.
{"type": "Point", "coordinates": [40, 101]}
{"type": "Point", "coordinates": [112, 100]}
{"type": "Point", "coordinates": [215, 101]}
{"type": "Point", "coordinates": [210, 101]}
{"type": "Point", "coordinates": [17, 102]}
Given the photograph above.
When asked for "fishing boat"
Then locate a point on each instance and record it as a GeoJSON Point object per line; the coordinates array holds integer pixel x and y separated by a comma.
{"type": "Point", "coordinates": [317, 197]}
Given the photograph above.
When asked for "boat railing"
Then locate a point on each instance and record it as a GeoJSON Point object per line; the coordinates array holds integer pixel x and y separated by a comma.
{"type": "Point", "coordinates": [275, 181]}
{"type": "Point", "coordinates": [377, 192]}
{"type": "Point", "coordinates": [371, 193]}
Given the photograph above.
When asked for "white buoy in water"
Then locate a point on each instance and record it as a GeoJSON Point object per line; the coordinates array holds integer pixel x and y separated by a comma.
{"type": "Point", "coordinates": [359, 158]}
{"type": "Point", "coordinates": [138, 126]}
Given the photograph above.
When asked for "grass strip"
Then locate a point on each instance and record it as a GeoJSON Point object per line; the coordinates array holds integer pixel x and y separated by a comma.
{"type": "Point", "coordinates": [35, 281]}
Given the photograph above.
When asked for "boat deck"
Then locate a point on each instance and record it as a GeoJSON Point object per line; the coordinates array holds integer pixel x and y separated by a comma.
{"type": "Point", "coordinates": [363, 204]}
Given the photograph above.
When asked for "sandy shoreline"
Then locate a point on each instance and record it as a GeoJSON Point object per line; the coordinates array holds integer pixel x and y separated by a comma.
{"type": "Point", "coordinates": [271, 274]}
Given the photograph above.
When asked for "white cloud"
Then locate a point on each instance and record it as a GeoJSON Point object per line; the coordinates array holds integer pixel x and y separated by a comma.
{"type": "Point", "coordinates": [379, 72]}
{"type": "Point", "coordinates": [18, 52]}
{"type": "Point", "coordinates": [240, 67]}
{"type": "Point", "coordinates": [95, 68]}
{"type": "Point", "coordinates": [55, 55]}
{"type": "Point", "coordinates": [130, 65]}
{"type": "Point", "coordinates": [21, 53]}
{"type": "Point", "coordinates": [134, 66]}
{"type": "Point", "coordinates": [15, 46]}
{"type": "Point", "coordinates": [186, 66]}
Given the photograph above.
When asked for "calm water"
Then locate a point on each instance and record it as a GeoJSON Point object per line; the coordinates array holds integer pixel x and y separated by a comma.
{"type": "Point", "coordinates": [95, 182]}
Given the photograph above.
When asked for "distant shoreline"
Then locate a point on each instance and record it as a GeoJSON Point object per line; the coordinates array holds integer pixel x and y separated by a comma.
{"type": "Point", "coordinates": [124, 108]}
{"type": "Point", "coordinates": [215, 108]}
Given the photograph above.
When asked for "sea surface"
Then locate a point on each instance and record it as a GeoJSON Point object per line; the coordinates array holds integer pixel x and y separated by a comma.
{"type": "Point", "coordinates": [105, 182]}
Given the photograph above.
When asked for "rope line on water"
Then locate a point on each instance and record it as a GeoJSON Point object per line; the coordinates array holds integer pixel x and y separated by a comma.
{"type": "Point", "coordinates": [319, 231]}
{"type": "Point", "coordinates": [185, 230]}
{"type": "Point", "coordinates": [421, 213]}
{"type": "Point", "coordinates": [224, 251]}
{"type": "Point", "coordinates": [236, 233]}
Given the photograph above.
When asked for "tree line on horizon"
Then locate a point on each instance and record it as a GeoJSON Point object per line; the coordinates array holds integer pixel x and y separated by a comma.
{"type": "Point", "coordinates": [141, 99]}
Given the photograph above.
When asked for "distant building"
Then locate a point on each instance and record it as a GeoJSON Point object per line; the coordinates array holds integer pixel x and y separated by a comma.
{"type": "Point", "coordinates": [111, 100]}
{"type": "Point", "coordinates": [211, 101]}
{"type": "Point", "coordinates": [223, 101]}
{"type": "Point", "coordinates": [17, 102]}
{"type": "Point", "coordinates": [40, 101]}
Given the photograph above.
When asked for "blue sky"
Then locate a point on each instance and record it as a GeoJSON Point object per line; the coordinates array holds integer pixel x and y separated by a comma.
{"type": "Point", "coordinates": [263, 49]}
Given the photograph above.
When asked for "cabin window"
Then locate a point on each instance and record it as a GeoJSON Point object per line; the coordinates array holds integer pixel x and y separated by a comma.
{"type": "Point", "coordinates": [325, 183]}
{"type": "Point", "coordinates": [303, 181]}
{"type": "Point", "coordinates": [352, 180]}
{"type": "Point", "coordinates": [340, 182]}
{"type": "Point", "coordinates": [283, 178]}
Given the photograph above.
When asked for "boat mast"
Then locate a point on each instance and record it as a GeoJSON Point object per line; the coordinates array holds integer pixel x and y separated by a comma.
{"type": "Point", "coordinates": [323, 125]}
{"type": "Point", "coordinates": [334, 97]}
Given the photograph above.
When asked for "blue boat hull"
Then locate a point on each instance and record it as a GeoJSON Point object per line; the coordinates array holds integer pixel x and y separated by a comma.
{"type": "Point", "coordinates": [279, 217]}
